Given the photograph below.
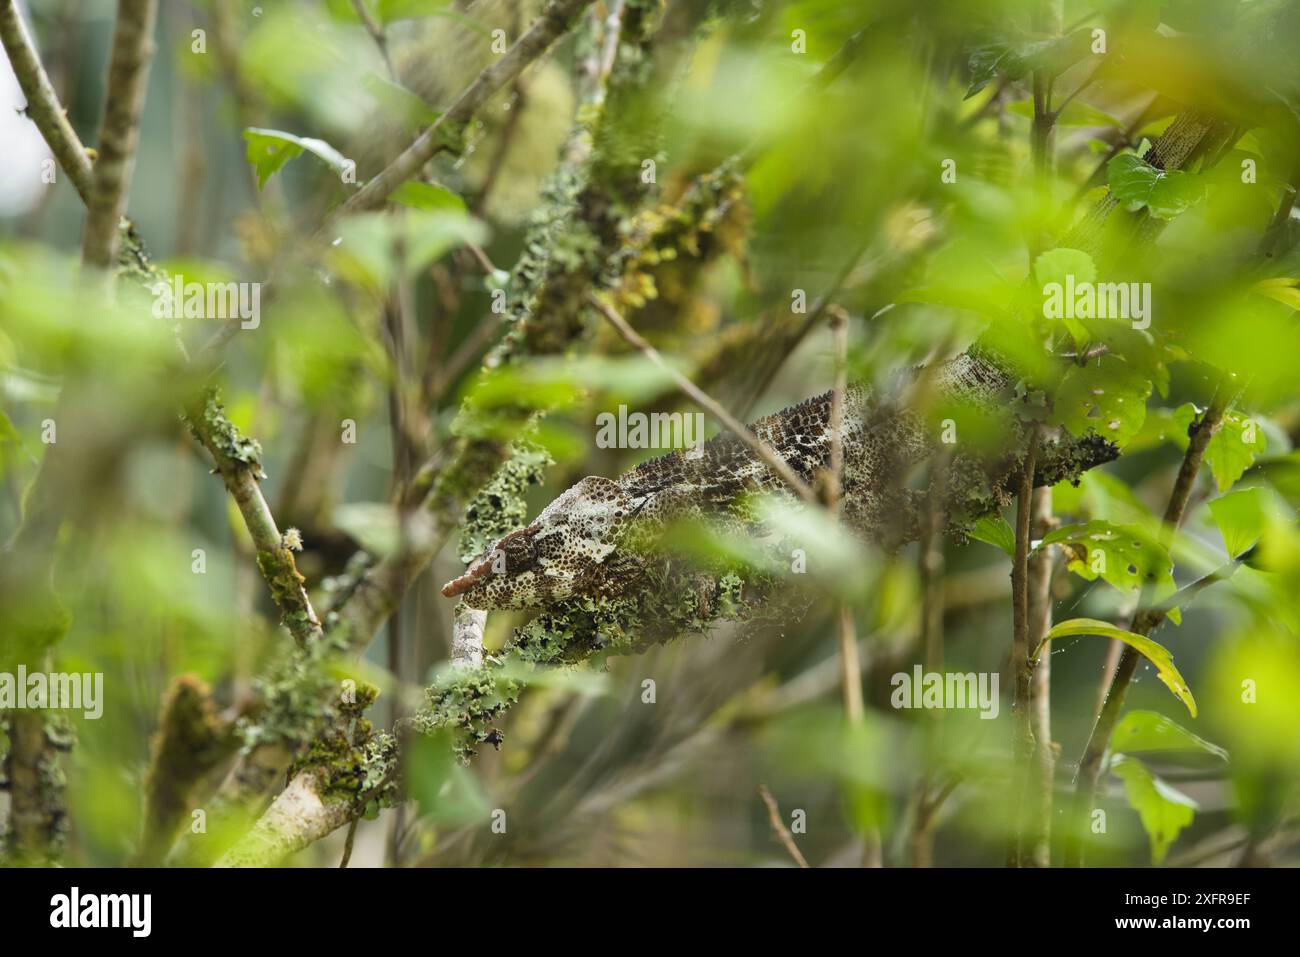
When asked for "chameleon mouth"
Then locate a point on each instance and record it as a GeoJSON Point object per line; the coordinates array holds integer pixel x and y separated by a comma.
{"type": "Point", "coordinates": [458, 586]}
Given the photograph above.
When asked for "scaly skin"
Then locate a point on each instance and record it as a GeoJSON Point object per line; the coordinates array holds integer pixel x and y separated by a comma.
{"type": "Point", "coordinates": [584, 541]}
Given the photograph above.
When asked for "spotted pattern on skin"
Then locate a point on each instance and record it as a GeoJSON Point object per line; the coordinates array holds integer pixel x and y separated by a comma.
{"type": "Point", "coordinates": [556, 554]}
{"type": "Point", "coordinates": [574, 546]}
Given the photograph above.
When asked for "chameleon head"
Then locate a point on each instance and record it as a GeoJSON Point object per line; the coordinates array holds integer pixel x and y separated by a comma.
{"type": "Point", "coordinates": [555, 556]}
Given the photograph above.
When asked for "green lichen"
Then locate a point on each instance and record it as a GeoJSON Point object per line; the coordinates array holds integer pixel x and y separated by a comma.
{"type": "Point", "coordinates": [299, 693]}
{"type": "Point", "coordinates": [667, 603]}
{"type": "Point", "coordinates": [472, 464]}
{"type": "Point", "coordinates": [572, 242]}
{"type": "Point", "coordinates": [51, 788]}
{"type": "Point", "coordinates": [350, 760]}
{"type": "Point", "coordinates": [212, 428]}
{"type": "Point", "coordinates": [467, 701]}
{"type": "Point", "coordinates": [285, 581]}
{"type": "Point", "coordinates": [133, 260]}
{"type": "Point", "coordinates": [501, 506]}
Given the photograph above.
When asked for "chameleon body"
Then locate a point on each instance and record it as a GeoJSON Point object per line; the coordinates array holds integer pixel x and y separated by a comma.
{"type": "Point", "coordinates": [582, 543]}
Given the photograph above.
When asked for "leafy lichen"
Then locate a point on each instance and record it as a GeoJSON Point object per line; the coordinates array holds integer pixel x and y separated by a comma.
{"type": "Point", "coordinates": [467, 701]}
{"type": "Point", "coordinates": [212, 428]}
{"type": "Point", "coordinates": [501, 506]}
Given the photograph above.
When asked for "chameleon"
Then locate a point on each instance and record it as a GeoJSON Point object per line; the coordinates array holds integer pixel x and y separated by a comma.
{"type": "Point", "coordinates": [591, 539]}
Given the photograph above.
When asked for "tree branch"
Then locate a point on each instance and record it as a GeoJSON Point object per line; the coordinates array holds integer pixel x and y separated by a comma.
{"type": "Point", "coordinates": [42, 102]}
{"type": "Point", "coordinates": [192, 741]}
{"type": "Point", "coordinates": [377, 34]}
{"type": "Point", "coordinates": [778, 826]}
{"type": "Point", "coordinates": [706, 402]}
{"type": "Point", "coordinates": [1145, 620]}
{"type": "Point", "coordinates": [1021, 666]}
{"type": "Point", "coordinates": [1036, 844]}
{"type": "Point", "coordinates": [238, 460]}
{"type": "Point", "coordinates": [438, 136]}
{"type": "Point", "coordinates": [128, 78]}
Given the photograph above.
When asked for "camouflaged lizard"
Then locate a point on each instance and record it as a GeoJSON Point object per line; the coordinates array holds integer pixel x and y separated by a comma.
{"type": "Point", "coordinates": [590, 540]}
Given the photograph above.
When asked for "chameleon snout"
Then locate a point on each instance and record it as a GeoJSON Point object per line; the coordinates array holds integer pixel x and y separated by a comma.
{"type": "Point", "coordinates": [458, 586]}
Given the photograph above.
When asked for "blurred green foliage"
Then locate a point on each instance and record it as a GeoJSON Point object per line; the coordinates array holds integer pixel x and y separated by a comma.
{"type": "Point", "coordinates": [849, 177]}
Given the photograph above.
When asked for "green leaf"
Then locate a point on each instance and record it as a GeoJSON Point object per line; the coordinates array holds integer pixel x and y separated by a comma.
{"type": "Point", "coordinates": [388, 11]}
{"type": "Point", "coordinates": [983, 63]}
{"type": "Point", "coordinates": [1173, 194]}
{"type": "Point", "coordinates": [11, 443]}
{"type": "Point", "coordinates": [1101, 495]}
{"type": "Point", "coordinates": [1233, 449]}
{"type": "Point", "coordinates": [1165, 425]}
{"type": "Point", "coordinates": [428, 196]}
{"type": "Point", "coordinates": [1055, 266]}
{"type": "Point", "coordinates": [1108, 397]}
{"type": "Point", "coordinates": [373, 524]}
{"type": "Point", "coordinates": [1137, 184]}
{"type": "Point", "coordinates": [1076, 113]}
{"type": "Point", "coordinates": [1164, 811]}
{"type": "Point", "coordinates": [1283, 289]}
{"type": "Point", "coordinates": [995, 530]}
{"type": "Point", "coordinates": [1123, 555]}
{"type": "Point", "coordinates": [1144, 732]}
{"type": "Point", "coordinates": [1017, 56]}
{"type": "Point", "coordinates": [371, 247]}
{"type": "Point", "coordinates": [1240, 516]}
{"type": "Point", "coordinates": [269, 150]}
{"type": "Point", "coordinates": [1153, 651]}
{"type": "Point", "coordinates": [1131, 180]}
{"type": "Point", "coordinates": [399, 104]}
{"type": "Point", "coordinates": [443, 790]}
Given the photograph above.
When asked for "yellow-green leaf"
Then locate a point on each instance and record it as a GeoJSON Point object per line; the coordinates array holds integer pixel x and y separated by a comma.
{"type": "Point", "coordinates": [1126, 556]}
{"type": "Point", "coordinates": [1233, 449]}
{"type": "Point", "coordinates": [1153, 651]}
{"type": "Point", "coordinates": [1240, 516]}
{"type": "Point", "coordinates": [1147, 732]}
{"type": "Point", "coordinates": [1164, 810]}
{"type": "Point", "coordinates": [1108, 397]}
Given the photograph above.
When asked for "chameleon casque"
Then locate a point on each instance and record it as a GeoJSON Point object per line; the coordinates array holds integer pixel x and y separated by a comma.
{"type": "Point", "coordinates": [591, 539]}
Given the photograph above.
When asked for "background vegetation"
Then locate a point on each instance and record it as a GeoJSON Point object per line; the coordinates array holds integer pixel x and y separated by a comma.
{"type": "Point", "coordinates": [739, 179]}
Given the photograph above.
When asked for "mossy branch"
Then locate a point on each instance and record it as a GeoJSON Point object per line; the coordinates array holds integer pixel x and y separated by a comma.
{"type": "Point", "coordinates": [192, 741]}
{"type": "Point", "coordinates": [238, 461]}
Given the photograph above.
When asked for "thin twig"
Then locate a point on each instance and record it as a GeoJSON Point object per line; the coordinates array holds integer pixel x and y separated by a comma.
{"type": "Point", "coordinates": [778, 826]}
{"type": "Point", "coordinates": [42, 102]}
{"type": "Point", "coordinates": [1069, 98]}
{"type": "Point", "coordinates": [1145, 620]}
{"type": "Point", "coordinates": [467, 636]}
{"type": "Point", "coordinates": [548, 28]}
{"type": "Point", "coordinates": [377, 34]}
{"type": "Point", "coordinates": [930, 560]}
{"type": "Point", "coordinates": [128, 77]}
{"type": "Point", "coordinates": [850, 666]}
{"type": "Point", "coordinates": [347, 843]}
{"type": "Point", "coordinates": [1021, 666]}
{"type": "Point", "coordinates": [515, 106]}
{"type": "Point", "coordinates": [1036, 846]}
{"type": "Point", "coordinates": [241, 476]}
{"type": "Point", "coordinates": [759, 447]}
